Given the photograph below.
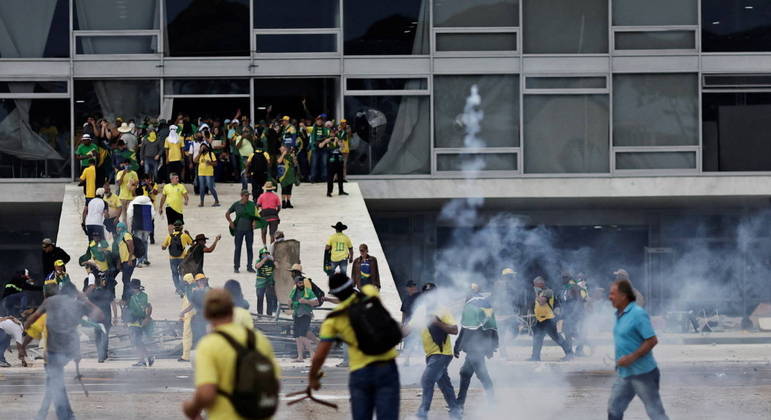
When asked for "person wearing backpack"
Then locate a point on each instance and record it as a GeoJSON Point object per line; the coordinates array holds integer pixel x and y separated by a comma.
{"type": "Point", "coordinates": [139, 320]}
{"type": "Point", "coordinates": [141, 214]}
{"type": "Point", "coordinates": [302, 300]}
{"type": "Point", "coordinates": [361, 321]}
{"type": "Point", "coordinates": [236, 374]}
{"type": "Point", "coordinates": [123, 248]}
{"type": "Point", "coordinates": [177, 243]}
{"type": "Point", "coordinates": [544, 311]}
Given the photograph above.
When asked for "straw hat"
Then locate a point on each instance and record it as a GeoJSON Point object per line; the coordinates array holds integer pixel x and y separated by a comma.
{"type": "Point", "coordinates": [268, 186]}
{"type": "Point", "coordinates": [124, 128]}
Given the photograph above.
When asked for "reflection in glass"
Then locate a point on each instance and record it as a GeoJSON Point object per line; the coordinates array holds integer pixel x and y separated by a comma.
{"type": "Point", "coordinates": [34, 87]}
{"type": "Point", "coordinates": [735, 129]}
{"type": "Point", "coordinates": [478, 13]}
{"type": "Point", "coordinates": [206, 86]}
{"type": "Point", "coordinates": [112, 15]}
{"type": "Point", "coordinates": [655, 109]}
{"type": "Point", "coordinates": [296, 43]}
{"type": "Point", "coordinates": [298, 98]}
{"type": "Point", "coordinates": [396, 27]}
{"type": "Point", "coordinates": [476, 42]}
{"type": "Point", "coordinates": [578, 143]}
{"type": "Point", "coordinates": [129, 99]}
{"type": "Point", "coordinates": [566, 82]}
{"type": "Point", "coordinates": [144, 44]}
{"type": "Point", "coordinates": [565, 26]}
{"type": "Point", "coordinates": [285, 14]}
{"type": "Point", "coordinates": [487, 161]}
{"type": "Point", "coordinates": [658, 160]}
{"type": "Point", "coordinates": [391, 135]}
{"type": "Point", "coordinates": [656, 40]}
{"type": "Point", "coordinates": [735, 25]}
{"type": "Point", "coordinates": [391, 83]}
{"type": "Point", "coordinates": [207, 28]}
{"type": "Point", "coordinates": [34, 29]}
{"type": "Point", "coordinates": [500, 104]}
{"type": "Point", "coordinates": [34, 137]}
{"type": "Point", "coordinates": [655, 12]}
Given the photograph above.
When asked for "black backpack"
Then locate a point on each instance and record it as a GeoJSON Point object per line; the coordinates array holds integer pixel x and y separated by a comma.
{"type": "Point", "coordinates": [140, 249]}
{"type": "Point", "coordinates": [175, 247]}
{"type": "Point", "coordinates": [376, 332]}
{"type": "Point", "coordinates": [255, 391]}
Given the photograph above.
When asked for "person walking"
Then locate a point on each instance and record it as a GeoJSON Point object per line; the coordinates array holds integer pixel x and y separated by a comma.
{"type": "Point", "coordinates": [94, 215]}
{"type": "Point", "coordinates": [365, 270]}
{"type": "Point", "coordinates": [178, 242]}
{"type": "Point", "coordinates": [150, 152]}
{"type": "Point", "coordinates": [544, 310]}
{"type": "Point", "coordinates": [173, 145]}
{"type": "Point", "coordinates": [174, 196]}
{"type": "Point", "coordinates": [335, 165]}
{"type": "Point", "coordinates": [319, 133]}
{"type": "Point", "coordinates": [206, 161]}
{"type": "Point", "coordinates": [340, 248]}
{"type": "Point", "coordinates": [373, 382]}
{"type": "Point", "coordinates": [269, 205]}
{"type": "Point", "coordinates": [287, 175]}
{"type": "Point", "coordinates": [265, 284]}
{"type": "Point", "coordinates": [127, 181]}
{"type": "Point", "coordinates": [634, 340]}
{"type": "Point", "coordinates": [302, 301]}
{"type": "Point", "coordinates": [186, 317]}
{"type": "Point", "coordinates": [217, 367]}
{"type": "Point", "coordinates": [102, 296]}
{"type": "Point", "coordinates": [242, 228]}
{"type": "Point", "coordinates": [114, 210]}
{"type": "Point", "coordinates": [141, 216]}
{"type": "Point", "coordinates": [140, 312]}
{"type": "Point", "coordinates": [479, 340]}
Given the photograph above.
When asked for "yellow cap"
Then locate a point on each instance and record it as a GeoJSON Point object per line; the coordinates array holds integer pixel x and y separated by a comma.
{"type": "Point", "coordinates": [188, 278]}
{"type": "Point", "coordinates": [286, 118]}
{"type": "Point", "coordinates": [343, 120]}
{"type": "Point", "coordinates": [58, 263]}
{"type": "Point", "coordinates": [200, 276]}
{"type": "Point", "coordinates": [508, 271]}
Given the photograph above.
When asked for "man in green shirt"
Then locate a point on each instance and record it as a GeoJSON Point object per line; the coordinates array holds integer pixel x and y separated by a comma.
{"type": "Point", "coordinates": [319, 133]}
{"type": "Point", "coordinates": [265, 283]}
{"type": "Point", "coordinates": [86, 152]}
{"type": "Point", "coordinates": [243, 229]}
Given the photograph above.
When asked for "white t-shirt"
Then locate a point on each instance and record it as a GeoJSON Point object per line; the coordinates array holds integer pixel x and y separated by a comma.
{"type": "Point", "coordinates": [91, 279]}
{"type": "Point", "coordinates": [13, 329]}
{"type": "Point", "coordinates": [95, 214]}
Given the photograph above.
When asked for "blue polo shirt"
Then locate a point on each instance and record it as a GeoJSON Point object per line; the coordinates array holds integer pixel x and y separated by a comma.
{"type": "Point", "coordinates": [633, 326]}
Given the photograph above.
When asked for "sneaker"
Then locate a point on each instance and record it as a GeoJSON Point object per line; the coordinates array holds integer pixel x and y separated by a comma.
{"type": "Point", "coordinates": [250, 269]}
{"type": "Point", "coordinates": [343, 193]}
{"type": "Point", "coordinates": [183, 360]}
{"type": "Point", "coordinates": [329, 195]}
{"type": "Point", "coordinates": [342, 364]}
{"type": "Point", "coordinates": [217, 204]}
{"type": "Point", "coordinates": [200, 205]}
{"type": "Point", "coordinates": [533, 359]}
{"type": "Point", "coordinates": [568, 357]}
{"type": "Point", "coordinates": [235, 270]}
{"type": "Point", "coordinates": [140, 363]}
{"type": "Point", "coordinates": [289, 205]}
{"type": "Point", "coordinates": [4, 363]}
{"type": "Point", "coordinates": [100, 361]}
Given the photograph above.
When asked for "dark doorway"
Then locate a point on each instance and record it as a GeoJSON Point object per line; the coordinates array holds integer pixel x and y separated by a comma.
{"type": "Point", "coordinates": [208, 107]}
{"type": "Point", "coordinates": [276, 97]}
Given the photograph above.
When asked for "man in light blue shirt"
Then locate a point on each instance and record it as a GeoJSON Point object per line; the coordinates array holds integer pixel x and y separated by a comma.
{"type": "Point", "coordinates": [634, 340]}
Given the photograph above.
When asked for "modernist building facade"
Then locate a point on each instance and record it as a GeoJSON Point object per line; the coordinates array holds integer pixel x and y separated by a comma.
{"type": "Point", "coordinates": [632, 125]}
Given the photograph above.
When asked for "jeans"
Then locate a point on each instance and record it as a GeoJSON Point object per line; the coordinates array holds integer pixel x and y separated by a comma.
{"type": "Point", "coordinates": [176, 276]}
{"type": "Point", "coordinates": [343, 264]}
{"type": "Point", "coordinates": [335, 168]}
{"type": "Point", "coordinates": [540, 329]}
{"type": "Point", "coordinates": [436, 373]}
{"type": "Point", "coordinates": [207, 183]}
{"type": "Point", "coordinates": [127, 270]}
{"type": "Point", "coordinates": [319, 165]}
{"type": "Point", "coordinates": [102, 339]}
{"type": "Point", "coordinates": [151, 167]}
{"type": "Point", "coordinates": [475, 363]}
{"type": "Point", "coordinates": [144, 235]}
{"type": "Point", "coordinates": [645, 386]}
{"type": "Point", "coordinates": [268, 292]}
{"type": "Point", "coordinates": [55, 389]}
{"type": "Point", "coordinates": [258, 181]}
{"type": "Point", "coordinates": [5, 341]}
{"type": "Point", "coordinates": [375, 389]}
{"type": "Point", "coordinates": [240, 236]}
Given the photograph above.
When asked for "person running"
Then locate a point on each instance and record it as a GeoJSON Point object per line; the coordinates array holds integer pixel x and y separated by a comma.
{"type": "Point", "coordinates": [141, 215]}
{"type": "Point", "coordinates": [139, 321]}
{"type": "Point", "coordinates": [265, 284]}
{"type": "Point", "coordinates": [340, 248]}
{"type": "Point", "coordinates": [206, 161]}
{"type": "Point", "coordinates": [243, 229]}
{"type": "Point", "coordinates": [544, 310]}
{"type": "Point", "coordinates": [302, 301]}
{"type": "Point", "coordinates": [216, 358]}
{"type": "Point", "coordinates": [102, 296]}
{"type": "Point", "coordinates": [269, 205]}
{"type": "Point", "coordinates": [123, 247]}
{"type": "Point", "coordinates": [174, 195]}
{"type": "Point", "coordinates": [374, 379]}
{"type": "Point", "coordinates": [478, 339]}
{"type": "Point", "coordinates": [178, 242]}
{"type": "Point", "coordinates": [287, 175]}
{"type": "Point", "coordinates": [634, 340]}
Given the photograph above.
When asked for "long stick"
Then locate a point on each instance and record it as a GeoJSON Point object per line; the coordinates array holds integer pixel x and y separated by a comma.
{"type": "Point", "coordinates": [79, 377]}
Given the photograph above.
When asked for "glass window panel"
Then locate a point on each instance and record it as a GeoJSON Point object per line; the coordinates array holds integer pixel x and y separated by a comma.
{"type": "Point", "coordinates": [478, 13]}
{"type": "Point", "coordinates": [565, 26]}
{"type": "Point", "coordinates": [738, 80]}
{"type": "Point", "coordinates": [298, 98]}
{"type": "Point", "coordinates": [35, 138]}
{"type": "Point", "coordinates": [656, 40]}
{"type": "Point", "coordinates": [735, 26]}
{"type": "Point", "coordinates": [270, 14]}
{"type": "Point", "coordinates": [577, 144]}
{"type": "Point", "coordinates": [474, 161]}
{"type": "Point", "coordinates": [34, 29]}
{"type": "Point", "coordinates": [655, 109]}
{"type": "Point", "coordinates": [655, 12]}
{"type": "Point", "coordinates": [566, 83]}
{"type": "Point", "coordinates": [476, 42]}
{"type": "Point", "coordinates": [658, 160]}
{"type": "Point", "coordinates": [500, 104]}
{"type": "Point", "coordinates": [296, 43]}
{"type": "Point", "coordinates": [735, 131]}
{"type": "Point", "coordinates": [144, 44]}
{"type": "Point", "coordinates": [206, 86]}
{"type": "Point", "coordinates": [391, 135]}
{"type": "Point", "coordinates": [111, 15]}
{"type": "Point", "coordinates": [396, 27]}
{"type": "Point", "coordinates": [211, 28]}
{"type": "Point", "coordinates": [386, 84]}
{"type": "Point", "coordinates": [34, 87]}
{"type": "Point", "coordinates": [129, 99]}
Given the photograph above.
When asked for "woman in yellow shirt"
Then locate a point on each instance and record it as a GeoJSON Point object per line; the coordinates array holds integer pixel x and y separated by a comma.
{"type": "Point", "coordinates": [206, 161]}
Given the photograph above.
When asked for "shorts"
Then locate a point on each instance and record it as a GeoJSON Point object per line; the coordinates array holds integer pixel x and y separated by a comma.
{"type": "Point", "coordinates": [172, 216]}
{"type": "Point", "coordinates": [301, 325]}
{"type": "Point", "coordinates": [287, 190]}
{"type": "Point", "coordinates": [88, 200]}
{"type": "Point", "coordinates": [272, 227]}
{"type": "Point", "coordinates": [110, 224]}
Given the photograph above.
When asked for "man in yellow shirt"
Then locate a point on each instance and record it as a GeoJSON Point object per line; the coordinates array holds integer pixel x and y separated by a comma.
{"type": "Point", "coordinates": [173, 146]}
{"type": "Point", "coordinates": [215, 360]}
{"type": "Point", "coordinates": [544, 311]}
{"type": "Point", "coordinates": [113, 209]}
{"type": "Point", "coordinates": [340, 248]}
{"type": "Point", "coordinates": [89, 178]}
{"type": "Point", "coordinates": [127, 181]}
{"type": "Point", "coordinates": [174, 196]}
{"type": "Point", "coordinates": [438, 348]}
{"type": "Point", "coordinates": [374, 379]}
{"type": "Point", "coordinates": [177, 243]}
